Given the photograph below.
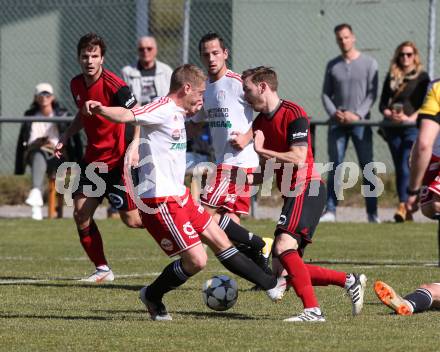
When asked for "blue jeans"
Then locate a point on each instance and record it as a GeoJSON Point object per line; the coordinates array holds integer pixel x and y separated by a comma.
{"type": "Point", "coordinates": [400, 141]}
{"type": "Point", "coordinates": [362, 139]}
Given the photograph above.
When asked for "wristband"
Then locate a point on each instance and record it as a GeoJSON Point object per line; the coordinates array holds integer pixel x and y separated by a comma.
{"type": "Point", "coordinates": [412, 192]}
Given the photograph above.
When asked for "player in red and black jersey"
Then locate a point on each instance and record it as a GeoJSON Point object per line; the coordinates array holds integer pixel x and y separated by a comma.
{"type": "Point", "coordinates": [105, 151]}
{"type": "Point", "coordinates": [282, 135]}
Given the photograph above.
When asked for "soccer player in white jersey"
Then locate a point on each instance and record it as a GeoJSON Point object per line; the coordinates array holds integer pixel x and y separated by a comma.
{"type": "Point", "coordinates": [226, 197]}
{"type": "Point", "coordinates": [168, 212]}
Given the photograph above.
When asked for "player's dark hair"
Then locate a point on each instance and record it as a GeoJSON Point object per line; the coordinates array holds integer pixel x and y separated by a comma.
{"type": "Point", "coordinates": [209, 37]}
{"type": "Point", "coordinates": [90, 40]}
{"type": "Point", "coordinates": [187, 73]}
{"type": "Point", "coordinates": [342, 26]}
{"type": "Point", "coordinates": [262, 74]}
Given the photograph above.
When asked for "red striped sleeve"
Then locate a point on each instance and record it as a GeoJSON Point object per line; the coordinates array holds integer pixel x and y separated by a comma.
{"type": "Point", "coordinates": [296, 109]}
{"type": "Point", "coordinates": [112, 80]}
{"type": "Point", "coordinates": [151, 106]}
{"type": "Point", "coordinates": [234, 75]}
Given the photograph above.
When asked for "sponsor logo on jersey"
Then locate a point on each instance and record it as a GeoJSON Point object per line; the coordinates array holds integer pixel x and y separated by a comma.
{"type": "Point", "coordinates": [116, 200]}
{"type": "Point", "coordinates": [282, 220]}
{"type": "Point", "coordinates": [130, 101]}
{"type": "Point", "coordinates": [178, 146]}
{"type": "Point", "coordinates": [166, 244]}
{"type": "Point", "coordinates": [230, 198]}
{"type": "Point", "coordinates": [175, 135]}
{"type": "Point", "coordinates": [221, 96]}
{"type": "Point", "coordinates": [299, 135]}
{"type": "Point", "coordinates": [220, 124]}
{"type": "Point", "coordinates": [189, 230]}
{"type": "Point", "coordinates": [218, 112]}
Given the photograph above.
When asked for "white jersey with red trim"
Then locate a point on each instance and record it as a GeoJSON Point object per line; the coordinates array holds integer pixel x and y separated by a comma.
{"type": "Point", "coordinates": [162, 151]}
{"type": "Point", "coordinates": [226, 111]}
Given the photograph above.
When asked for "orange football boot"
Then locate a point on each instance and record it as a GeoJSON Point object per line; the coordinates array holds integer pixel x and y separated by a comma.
{"type": "Point", "coordinates": [390, 298]}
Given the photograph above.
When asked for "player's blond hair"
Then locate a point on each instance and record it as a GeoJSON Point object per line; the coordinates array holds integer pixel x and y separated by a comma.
{"type": "Point", "coordinates": [185, 74]}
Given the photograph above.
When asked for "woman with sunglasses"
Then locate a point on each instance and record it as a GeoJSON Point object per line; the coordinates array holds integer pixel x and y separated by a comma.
{"type": "Point", "coordinates": [36, 144]}
{"type": "Point", "coordinates": [402, 95]}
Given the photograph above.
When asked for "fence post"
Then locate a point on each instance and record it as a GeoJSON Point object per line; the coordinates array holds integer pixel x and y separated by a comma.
{"type": "Point", "coordinates": [431, 37]}
{"type": "Point", "coordinates": [185, 39]}
{"type": "Point", "coordinates": [142, 18]}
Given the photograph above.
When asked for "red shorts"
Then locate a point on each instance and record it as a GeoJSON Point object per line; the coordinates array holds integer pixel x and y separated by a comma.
{"type": "Point", "coordinates": [176, 224]}
{"type": "Point", "coordinates": [431, 181]}
{"type": "Point", "coordinates": [228, 189]}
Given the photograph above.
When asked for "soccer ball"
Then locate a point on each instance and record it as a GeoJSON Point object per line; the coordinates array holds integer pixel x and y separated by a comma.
{"type": "Point", "coordinates": [220, 292]}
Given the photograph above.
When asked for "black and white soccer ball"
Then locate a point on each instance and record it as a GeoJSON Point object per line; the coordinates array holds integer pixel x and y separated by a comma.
{"type": "Point", "coordinates": [220, 292]}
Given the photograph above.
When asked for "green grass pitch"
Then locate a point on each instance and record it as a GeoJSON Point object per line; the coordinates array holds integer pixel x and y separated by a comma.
{"type": "Point", "coordinates": [44, 308]}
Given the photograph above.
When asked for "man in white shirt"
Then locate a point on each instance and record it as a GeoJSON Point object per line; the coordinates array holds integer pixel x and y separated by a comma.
{"type": "Point", "coordinates": [148, 78]}
{"type": "Point", "coordinates": [226, 197]}
{"type": "Point", "coordinates": [167, 210]}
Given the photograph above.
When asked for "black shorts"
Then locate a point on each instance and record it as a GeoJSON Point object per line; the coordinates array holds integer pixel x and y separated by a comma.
{"type": "Point", "coordinates": [300, 215]}
{"type": "Point", "coordinates": [113, 179]}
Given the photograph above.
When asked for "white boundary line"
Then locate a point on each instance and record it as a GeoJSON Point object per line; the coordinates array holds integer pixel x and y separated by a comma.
{"type": "Point", "coordinates": [76, 279]}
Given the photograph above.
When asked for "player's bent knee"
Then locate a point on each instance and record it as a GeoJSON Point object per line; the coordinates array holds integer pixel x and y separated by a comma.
{"type": "Point", "coordinates": [131, 219]}
{"type": "Point", "coordinates": [82, 218]}
{"type": "Point", "coordinates": [284, 242]}
{"type": "Point", "coordinates": [195, 262]}
{"type": "Point", "coordinates": [133, 223]}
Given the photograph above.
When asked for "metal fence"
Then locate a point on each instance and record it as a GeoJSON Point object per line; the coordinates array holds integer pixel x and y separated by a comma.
{"type": "Point", "coordinates": [38, 43]}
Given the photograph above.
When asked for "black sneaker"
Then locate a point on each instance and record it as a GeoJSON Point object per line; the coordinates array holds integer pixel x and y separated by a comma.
{"type": "Point", "coordinates": [157, 310]}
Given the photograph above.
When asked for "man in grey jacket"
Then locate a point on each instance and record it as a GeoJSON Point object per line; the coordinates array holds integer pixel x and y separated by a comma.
{"type": "Point", "coordinates": [148, 78]}
{"type": "Point", "coordinates": [350, 89]}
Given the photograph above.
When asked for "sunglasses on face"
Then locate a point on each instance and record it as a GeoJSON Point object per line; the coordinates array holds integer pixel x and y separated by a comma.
{"type": "Point", "coordinates": [44, 94]}
{"type": "Point", "coordinates": [406, 54]}
{"type": "Point", "coordinates": [147, 48]}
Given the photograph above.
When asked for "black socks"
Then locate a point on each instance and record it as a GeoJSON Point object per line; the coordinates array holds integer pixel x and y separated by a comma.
{"type": "Point", "coordinates": [171, 277]}
{"type": "Point", "coordinates": [242, 266]}
{"type": "Point", "coordinates": [239, 234]}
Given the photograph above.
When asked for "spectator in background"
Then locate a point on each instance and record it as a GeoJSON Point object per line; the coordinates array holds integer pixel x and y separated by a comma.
{"type": "Point", "coordinates": [36, 144]}
{"type": "Point", "coordinates": [148, 78]}
{"type": "Point", "coordinates": [349, 91]}
{"type": "Point", "coordinates": [402, 95]}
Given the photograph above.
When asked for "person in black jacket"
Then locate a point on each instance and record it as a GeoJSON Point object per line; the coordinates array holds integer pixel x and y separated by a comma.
{"type": "Point", "coordinates": [36, 143]}
{"type": "Point", "coordinates": [402, 95]}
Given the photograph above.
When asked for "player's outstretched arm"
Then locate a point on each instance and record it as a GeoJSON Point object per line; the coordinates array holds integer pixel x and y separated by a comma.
{"type": "Point", "coordinates": [112, 113]}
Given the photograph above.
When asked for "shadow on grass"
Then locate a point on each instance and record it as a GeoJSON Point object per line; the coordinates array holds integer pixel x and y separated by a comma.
{"type": "Point", "coordinates": [44, 317]}
{"type": "Point", "coordinates": [71, 284]}
{"type": "Point", "coordinates": [215, 315]}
